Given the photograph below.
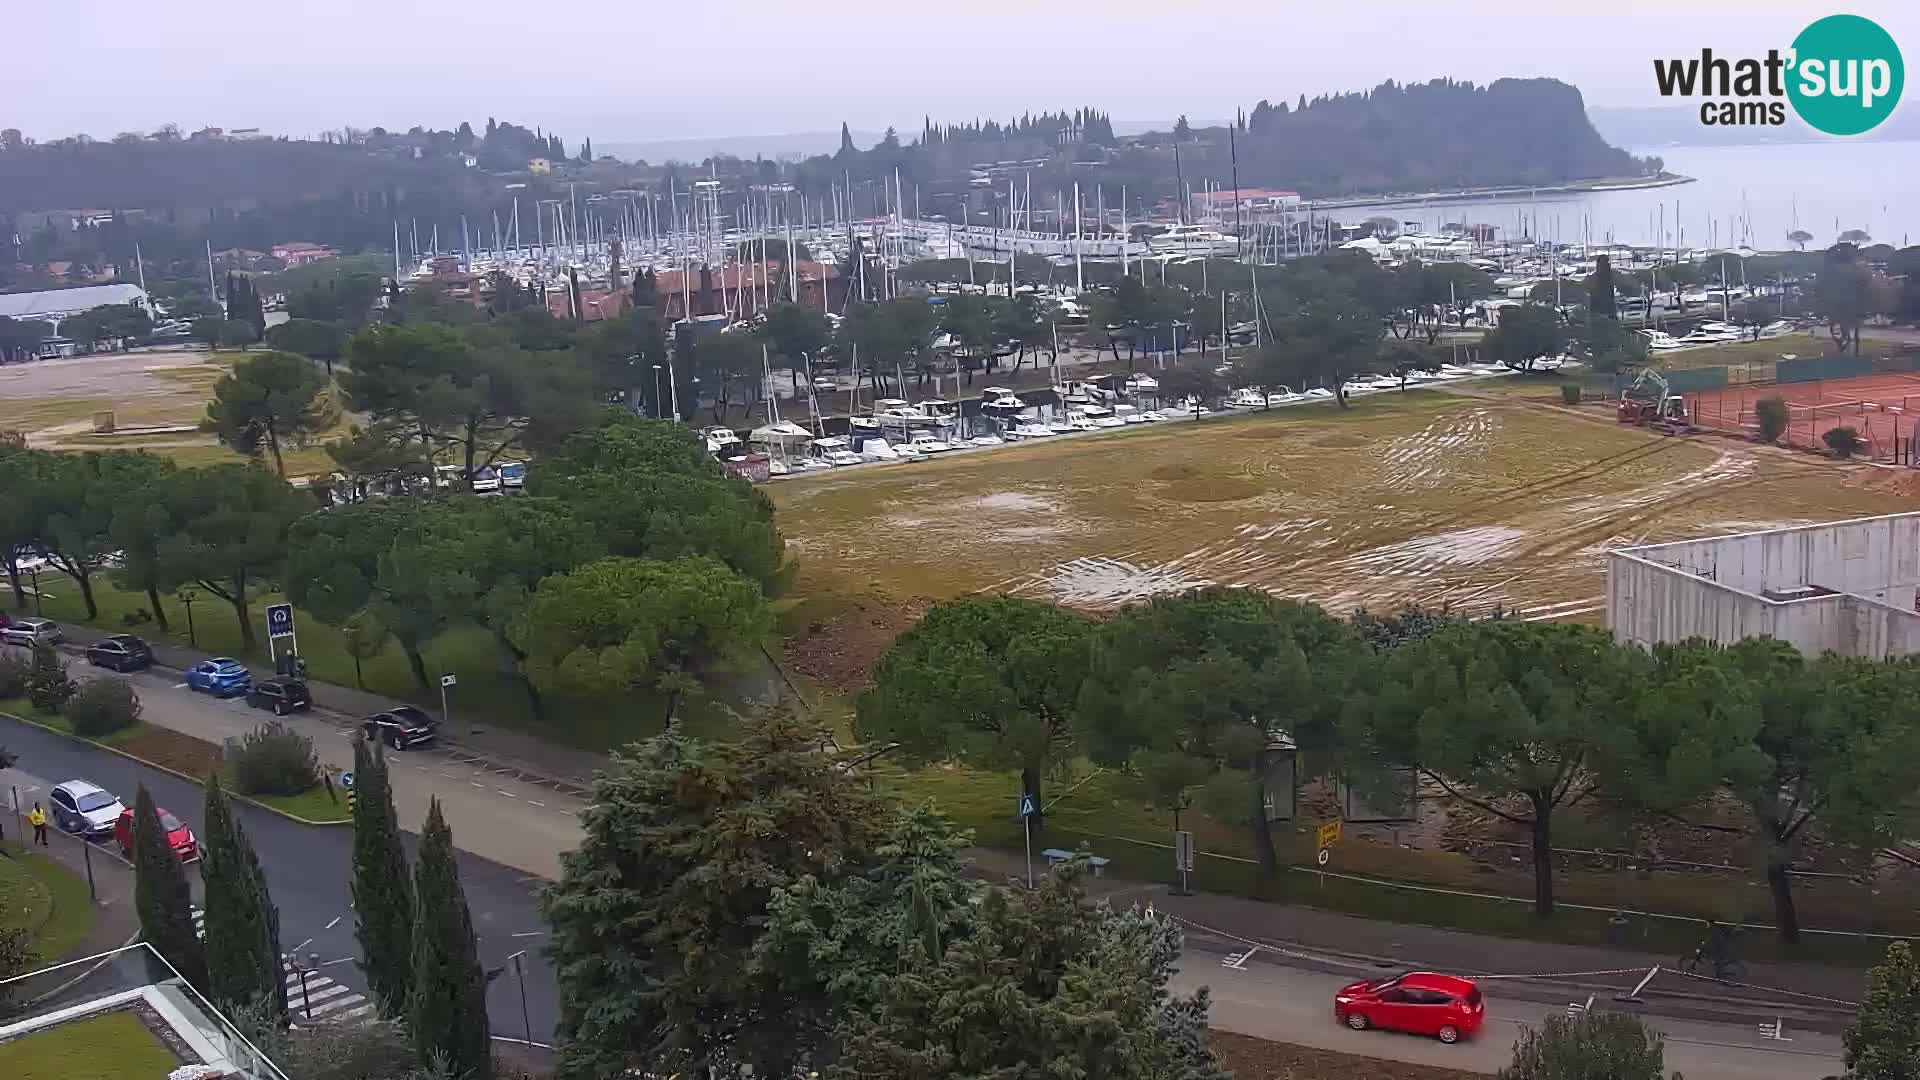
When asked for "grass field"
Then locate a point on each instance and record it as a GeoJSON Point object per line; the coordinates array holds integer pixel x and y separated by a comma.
{"type": "Point", "coordinates": [1260, 1059]}
{"type": "Point", "coordinates": [47, 900]}
{"type": "Point", "coordinates": [55, 403]}
{"type": "Point", "coordinates": [112, 1046]}
{"type": "Point", "coordinates": [1431, 497]}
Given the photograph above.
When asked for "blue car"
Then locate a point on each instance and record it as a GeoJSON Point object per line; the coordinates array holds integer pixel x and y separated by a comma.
{"type": "Point", "coordinates": [222, 676]}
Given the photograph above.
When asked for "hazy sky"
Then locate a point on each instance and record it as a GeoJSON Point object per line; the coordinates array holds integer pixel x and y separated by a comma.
{"type": "Point", "coordinates": [628, 71]}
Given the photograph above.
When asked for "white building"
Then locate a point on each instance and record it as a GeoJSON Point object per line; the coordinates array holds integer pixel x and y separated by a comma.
{"type": "Point", "coordinates": [53, 305]}
{"type": "Point", "coordinates": [1846, 587]}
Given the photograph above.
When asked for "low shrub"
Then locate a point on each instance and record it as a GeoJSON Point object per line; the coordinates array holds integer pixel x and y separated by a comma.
{"type": "Point", "coordinates": [1843, 441]}
{"type": "Point", "coordinates": [274, 759]}
{"type": "Point", "coordinates": [1570, 393]}
{"type": "Point", "coordinates": [1770, 413]}
{"type": "Point", "coordinates": [13, 674]}
{"type": "Point", "coordinates": [47, 684]}
{"type": "Point", "coordinates": [103, 706]}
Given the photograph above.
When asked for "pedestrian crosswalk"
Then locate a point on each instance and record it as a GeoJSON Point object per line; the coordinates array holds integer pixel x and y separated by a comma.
{"type": "Point", "coordinates": [319, 997]}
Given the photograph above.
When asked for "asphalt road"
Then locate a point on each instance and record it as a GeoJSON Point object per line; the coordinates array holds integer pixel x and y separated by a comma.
{"type": "Point", "coordinates": [308, 872]}
{"type": "Point", "coordinates": [1271, 1001]}
{"type": "Point", "coordinates": [507, 820]}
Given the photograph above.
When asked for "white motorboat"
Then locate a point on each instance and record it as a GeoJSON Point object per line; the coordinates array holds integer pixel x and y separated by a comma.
{"type": "Point", "coordinates": [1247, 398]}
{"type": "Point", "coordinates": [834, 450]}
{"type": "Point", "coordinates": [1193, 240]}
{"type": "Point", "coordinates": [1153, 416]}
{"type": "Point", "coordinates": [1079, 421]}
{"type": "Point", "coordinates": [1129, 414]}
{"type": "Point", "coordinates": [720, 439]}
{"type": "Point", "coordinates": [1319, 392]}
{"type": "Point", "coordinates": [985, 440]}
{"type": "Point", "coordinates": [928, 444]}
{"type": "Point", "coordinates": [1001, 401]}
{"type": "Point", "coordinates": [1192, 406]}
{"type": "Point", "coordinates": [776, 467]}
{"type": "Point", "coordinates": [1032, 429]}
{"type": "Point", "coordinates": [863, 425]}
{"type": "Point", "coordinates": [937, 412]}
{"type": "Point", "coordinates": [1142, 384]}
{"type": "Point", "coordinates": [876, 449]}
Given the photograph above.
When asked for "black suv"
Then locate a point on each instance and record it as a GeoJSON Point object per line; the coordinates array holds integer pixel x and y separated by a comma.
{"type": "Point", "coordinates": [281, 695]}
{"type": "Point", "coordinates": [401, 726]}
{"type": "Point", "coordinates": [121, 652]}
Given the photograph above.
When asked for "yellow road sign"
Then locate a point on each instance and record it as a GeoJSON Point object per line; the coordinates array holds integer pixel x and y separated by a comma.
{"type": "Point", "coordinates": [1327, 834]}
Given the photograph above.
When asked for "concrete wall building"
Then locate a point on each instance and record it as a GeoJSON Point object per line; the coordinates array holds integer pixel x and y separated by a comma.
{"type": "Point", "coordinates": [53, 305]}
{"type": "Point", "coordinates": [1845, 587]}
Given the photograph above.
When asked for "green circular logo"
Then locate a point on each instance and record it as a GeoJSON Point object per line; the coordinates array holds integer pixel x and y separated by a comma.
{"type": "Point", "coordinates": [1846, 75]}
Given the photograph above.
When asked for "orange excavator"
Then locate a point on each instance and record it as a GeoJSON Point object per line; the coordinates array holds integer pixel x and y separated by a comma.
{"type": "Point", "coordinates": [1650, 402]}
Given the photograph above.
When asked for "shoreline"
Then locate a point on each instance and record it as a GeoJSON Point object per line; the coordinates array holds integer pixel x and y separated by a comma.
{"type": "Point", "coordinates": [1576, 187]}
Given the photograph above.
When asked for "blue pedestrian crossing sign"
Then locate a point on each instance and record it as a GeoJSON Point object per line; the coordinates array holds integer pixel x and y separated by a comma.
{"type": "Point", "coordinates": [280, 620]}
{"type": "Point", "coordinates": [1027, 809]}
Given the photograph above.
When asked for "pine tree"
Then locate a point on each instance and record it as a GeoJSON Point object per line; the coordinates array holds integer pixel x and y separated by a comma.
{"type": "Point", "coordinates": [243, 927]}
{"type": "Point", "coordinates": [1884, 1042]}
{"type": "Point", "coordinates": [586, 153]}
{"type": "Point", "coordinates": [382, 893]}
{"type": "Point", "coordinates": [846, 140]}
{"type": "Point", "coordinates": [447, 1009]}
{"type": "Point", "coordinates": [161, 895]}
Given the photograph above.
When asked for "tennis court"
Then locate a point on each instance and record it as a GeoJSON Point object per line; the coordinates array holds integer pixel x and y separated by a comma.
{"type": "Point", "coordinates": [1883, 407]}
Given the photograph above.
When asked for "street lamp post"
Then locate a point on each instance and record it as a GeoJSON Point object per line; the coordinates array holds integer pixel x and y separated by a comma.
{"type": "Point", "coordinates": [34, 572]}
{"type": "Point", "coordinates": [311, 967]}
{"type": "Point", "coordinates": [659, 410]}
{"type": "Point", "coordinates": [187, 597]}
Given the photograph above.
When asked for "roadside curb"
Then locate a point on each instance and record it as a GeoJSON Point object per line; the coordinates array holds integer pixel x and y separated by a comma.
{"type": "Point", "coordinates": [248, 799]}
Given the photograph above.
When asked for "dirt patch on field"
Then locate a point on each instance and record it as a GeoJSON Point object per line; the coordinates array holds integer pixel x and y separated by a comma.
{"type": "Point", "coordinates": [1259, 1059]}
{"type": "Point", "coordinates": [1173, 474]}
{"type": "Point", "coordinates": [1343, 441]}
{"type": "Point", "coordinates": [1211, 489]}
{"type": "Point", "coordinates": [838, 648]}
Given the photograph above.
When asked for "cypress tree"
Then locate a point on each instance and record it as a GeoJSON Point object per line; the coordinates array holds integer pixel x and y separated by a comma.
{"type": "Point", "coordinates": [162, 896]}
{"type": "Point", "coordinates": [243, 928]}
{"type": "Point", "coordinates": [382, 895]}
{"type": "Point", "coordinates": [1600, 299]}
{"type": "Point", "coordinates": [447, 1010]}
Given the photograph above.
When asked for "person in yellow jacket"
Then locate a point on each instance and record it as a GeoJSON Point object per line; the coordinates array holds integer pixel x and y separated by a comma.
{"type": "Point", "coordinates": [38, 819]}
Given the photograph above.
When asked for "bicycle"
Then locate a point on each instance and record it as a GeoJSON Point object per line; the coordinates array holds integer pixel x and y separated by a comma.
{"type": "Point", "coordinates": [1716, 953]}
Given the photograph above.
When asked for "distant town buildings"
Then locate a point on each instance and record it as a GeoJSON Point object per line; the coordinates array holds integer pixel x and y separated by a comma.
{"type": "Point", "coordinates": [300, 253]}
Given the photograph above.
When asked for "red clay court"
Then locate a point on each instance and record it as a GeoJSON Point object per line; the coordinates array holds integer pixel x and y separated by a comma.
{"type": "Point", "coordinates": [1883, 407]}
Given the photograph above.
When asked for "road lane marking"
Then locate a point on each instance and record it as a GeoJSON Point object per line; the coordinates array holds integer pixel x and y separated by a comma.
{"type": "Point", "coordinates": [342, 960]}
{"type": "Point", "coordinates": [530, 933]}
{"type": "Point", "coordinates": [335, 922]}
{"type": "Point", "coordinates": [302, 945]}
{"type": "Point", "coordinates": [179, 686]}
{"type": "Point", "coordinates": [531, 802]}
{"type": "Point", "coordinates": [507, 793]}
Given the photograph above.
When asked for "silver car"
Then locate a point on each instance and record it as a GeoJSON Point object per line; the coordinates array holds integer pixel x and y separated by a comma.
{"type": "Point", "coordinates": [32, 631]}
{"type": "Point", "coordinates": [86, 808]}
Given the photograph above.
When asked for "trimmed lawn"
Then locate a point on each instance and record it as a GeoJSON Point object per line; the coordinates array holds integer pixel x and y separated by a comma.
{"type": "Point", "coordinates": [312, 804]}
{"type": "Point", "coordinates": [114, 1046]}
{"type": "Point", "coordinates": [45, 898]}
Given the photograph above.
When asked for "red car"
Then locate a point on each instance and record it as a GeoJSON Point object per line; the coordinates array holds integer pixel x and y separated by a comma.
{"type": "Point", "coordinates": [1447, 1007]}
{"type": "Point", "coordinates": [178, 835]}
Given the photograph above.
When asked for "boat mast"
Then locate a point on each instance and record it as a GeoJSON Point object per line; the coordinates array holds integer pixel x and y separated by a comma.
{"type": "Point", "coordinates": [1079, 272]}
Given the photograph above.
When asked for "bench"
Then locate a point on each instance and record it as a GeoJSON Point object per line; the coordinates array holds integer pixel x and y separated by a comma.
{"type": "Point", "coordinates": [1060, 856]}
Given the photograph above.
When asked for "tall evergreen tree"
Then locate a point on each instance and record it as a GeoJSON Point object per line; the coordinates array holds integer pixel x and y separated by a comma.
{"type": "Point", "coordinates": [243, 927]}
{"type": "Point", "coordinates": [382, 893]}
{"type": "Point", "coordinates": [1600, 296]}
{"type": "Point", "coordinates": [447, 1009]}
{"type": "Point", "coordinates": [162, 896]}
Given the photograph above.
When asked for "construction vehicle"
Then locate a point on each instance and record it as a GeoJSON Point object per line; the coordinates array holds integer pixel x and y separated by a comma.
{"type": "Point", "coordinates": [1649, 401]}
